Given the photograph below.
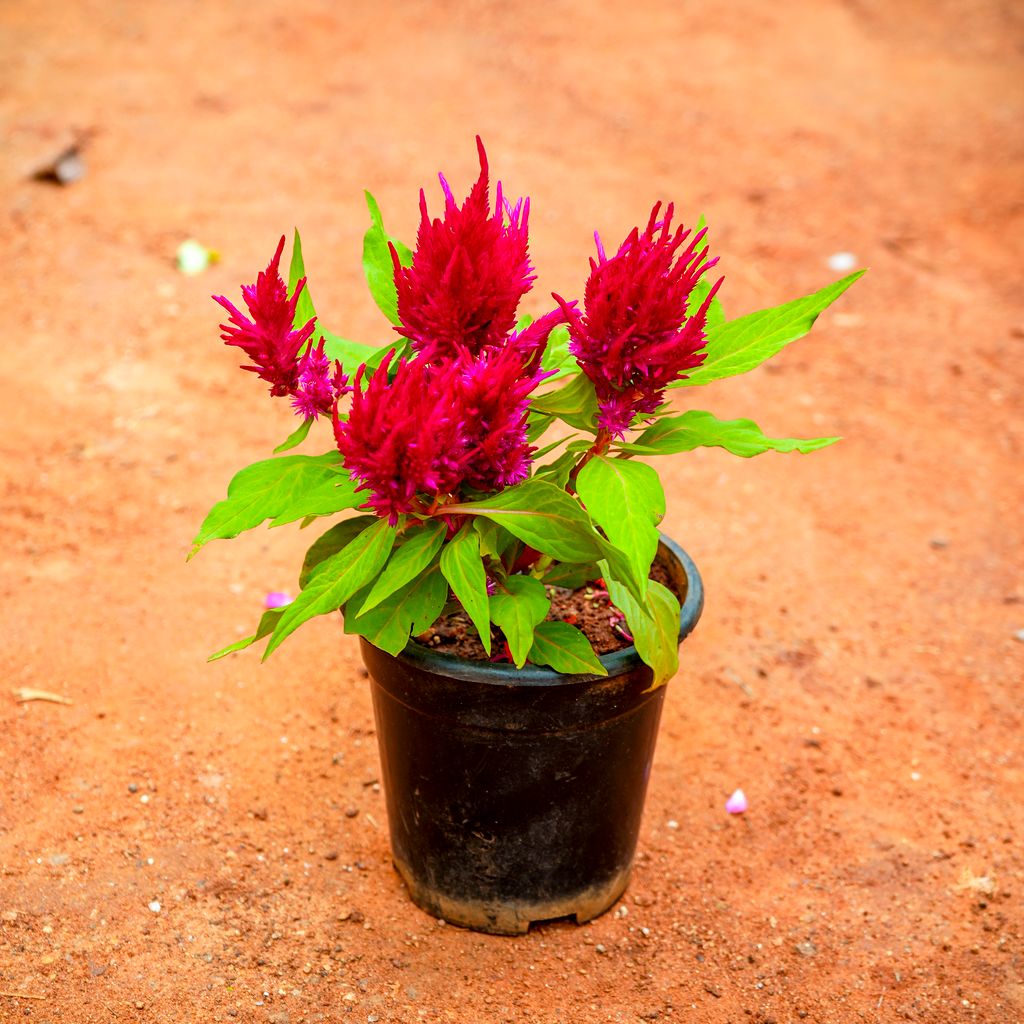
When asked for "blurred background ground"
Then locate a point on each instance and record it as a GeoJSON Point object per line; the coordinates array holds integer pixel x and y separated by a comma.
{"type": "Point", "coordinates": [193, 842]}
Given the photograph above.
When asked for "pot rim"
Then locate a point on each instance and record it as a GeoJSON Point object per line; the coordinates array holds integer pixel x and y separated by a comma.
{"type": "Point", "coordinates": [617, 663]}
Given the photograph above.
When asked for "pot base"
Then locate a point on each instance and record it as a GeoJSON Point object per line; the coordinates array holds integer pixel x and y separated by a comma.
{"type": "Point", "coordinates": [511, 918]}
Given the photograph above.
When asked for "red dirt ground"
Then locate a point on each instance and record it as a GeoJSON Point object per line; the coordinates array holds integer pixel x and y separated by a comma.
{"type": "Point", "coordinates": [858, 670]}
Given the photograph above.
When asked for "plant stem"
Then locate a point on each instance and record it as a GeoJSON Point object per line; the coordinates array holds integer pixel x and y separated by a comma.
{"type": "Point", "coordinates": [601, 444]}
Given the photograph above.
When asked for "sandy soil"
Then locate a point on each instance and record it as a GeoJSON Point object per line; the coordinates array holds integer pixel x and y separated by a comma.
{"type": "Point", "coordinates": [193, 842]}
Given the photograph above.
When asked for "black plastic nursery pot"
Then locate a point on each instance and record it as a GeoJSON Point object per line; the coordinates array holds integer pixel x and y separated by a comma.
{"type": "Point", "coordinates": [515, 795]}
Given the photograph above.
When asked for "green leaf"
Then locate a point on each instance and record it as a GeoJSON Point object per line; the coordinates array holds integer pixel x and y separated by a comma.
{"type": "Point", "coordinates": [716, 315]}
{"type": "Point", "coordinates": [696, 429]}
{"type": "Point", "coordinates": [740, 345]}
{"type": "Point", "coordinates": [304, 310]}
{"type": "Point", "coordinates": [336, 580]}
{"type": "Point", "coordinates": [557, 356]}
{"type": "Point", "coordinates": [268, 620]}
{"type": "Point", "coordinates": [407, 612]}
{"type": "Point", "coordinates": [349, 353]}
{"type": "Point", "coordinates": [654, 626]}
{"type": "Point", "coordinates": [463, 568]}
{"type": "Point", "coordinates": [570, 576]}
{"type": "Point", "coordinates": [296, 437]}
{"type": "Point", "coordinates": [377, 264]}
{"type": "Point", "coordinates": [557, 472]}
{"type": "Point", "coordinates": [494, 539]}
{"type": "Point", "coordinates": [517, 608]}
{"type": "Point", "coordinates": [575, 403]}
{"type": "Point", "coordinates": [407, 562]}
{"type": "Point", "coordinates": [536, 424]}
{"type": "Point", "coordinates": [331, 542]}
{"type": "Point", "coordinates": [548, 448]}
{"type": "Point", "coordinates": [542, 515]}
{"type": "Point", "coordinates": [565, 649]}
{"type": "Point", "coordinates": [627, 501]}
{"type": "Point", "coordinates": [550, 520]}
{"type": "Point", "coordinates": [282, 490]}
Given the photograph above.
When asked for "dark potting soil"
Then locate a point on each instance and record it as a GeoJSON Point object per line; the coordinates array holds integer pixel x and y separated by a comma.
{"type": "Point", "coordinates": [587, 608]}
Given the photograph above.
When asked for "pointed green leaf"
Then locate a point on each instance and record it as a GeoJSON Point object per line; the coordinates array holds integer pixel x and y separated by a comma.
{"type": "Point", "coordinates": [740, 345]}
{"type": "Point", "coordinates": [407, 612]}
{"type": "Point", "coordinates": [282, 490]}
{"type": "Point", "coordinates": [557, 472]}
{"type": "Point", "coordinates": [331, 542]}
{"type": "Point", "coordinates": [518, 606]}
{"type": "Point", "coordinates": [349, 353]}
{"type": "Point", "coordinates": [268, 620]}
{"type": "Point", "coordinates": [552, 522]}
{"type": "Point", "coordinates": [463, 568]}
{"type": "Point", "coordinates": [304, 310]}
{"type": "Point", "coordinates": [495, 541]}
{"type": "Point", "coordinates": [627, 501]}
{"type": "Point", "coordinates": [570, 576]}
{"type": "Point", "coordinates": [407, 562]}
{"type": "Point", "coordinates": [377, 264]}
{"type": "Point", "coordinates": [654, 625]}
{"type": "Point", "coordinates": [574, 402]}
{"type": "Point", "coordinates": [536, 424]}
{"type": "Point", "coordinates": [696, 429]}
{"type": "Point", "coordinates": [336, 580]}
{"type": "Point", "coordinates": [542, 515]}
{"type": "Point", "coordinates": [557, 356]}
{"type": "Point", "coordinates": [296, 437]}
{"type": "Point", "coordinates": [565, 649]}
{"type": "Point", "coordinates": [716, 316]}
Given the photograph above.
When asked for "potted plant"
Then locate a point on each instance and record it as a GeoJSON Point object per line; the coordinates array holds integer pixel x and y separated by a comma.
{"type": "Point", "coordinates": [494, 525]}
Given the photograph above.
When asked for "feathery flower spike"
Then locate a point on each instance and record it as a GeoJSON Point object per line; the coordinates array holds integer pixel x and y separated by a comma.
{"type": "Point", "coordinates": [468, 273]}
{"type": "Point", "coordinates": [269, 338]}
{"type": "Point", "coordinates": [634, 337]}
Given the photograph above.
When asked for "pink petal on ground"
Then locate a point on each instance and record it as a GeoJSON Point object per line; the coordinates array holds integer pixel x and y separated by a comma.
{"type": "Point", "coordinates": [737, 803]}
{"type": "Point", "coordinates": [277, 599]}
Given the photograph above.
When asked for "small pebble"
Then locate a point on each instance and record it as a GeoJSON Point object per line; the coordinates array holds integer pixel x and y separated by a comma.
{"type": "Point", "coordinates": [133, 787]}
{"type": "Point", "coordinates": [938, 543]}
{"type": "Point", "coordinates": [842, 262]}
{"type": "Point", "coordinates": [155, 906]}
{"type": "Point", "coordinates": [737, 803]}
{"type": "Point", "coordinates": [673, 824]}
{"type": "Point", "coordinates": [193, 257]}
{"type": "Point", "coordinates": [1019, 635]}
{"type": "Point", "coordinates": [351, 812]}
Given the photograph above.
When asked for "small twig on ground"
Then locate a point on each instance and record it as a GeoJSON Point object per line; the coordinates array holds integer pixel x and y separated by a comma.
{"type": "Point", "coordinates": [25, 693]}
{"type": "Point", "coordinates": [21, 995]}
{"type": "Point", "coordinates": [371, 819]}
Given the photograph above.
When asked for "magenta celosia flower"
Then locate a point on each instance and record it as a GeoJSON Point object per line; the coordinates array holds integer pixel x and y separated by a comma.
{"type": "Point", "coordinates": [468, 273]}
{"type": "Point", "coordinates": [494, 404]}
{"type": "Point", "coordinates": [436, 428]}
{"type": "Point", "coordinates": [403, 438]}
{"type": "Point", "coordinates": [269, 338]}
{"type": "Point", "coordinates": [633, 337]}
{"type": "Point", "coordinates": [320, 384]}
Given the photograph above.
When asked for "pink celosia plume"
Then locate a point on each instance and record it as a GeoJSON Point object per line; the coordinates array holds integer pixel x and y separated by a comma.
{"type": "Point", "coordinates": [634, 337]}
{"type": "Point", "coordinates": [269, 338]}
{"type": "Point", "coordinates": [469, 271]}
{"type": "Point", "coordinates": [274, 345]}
